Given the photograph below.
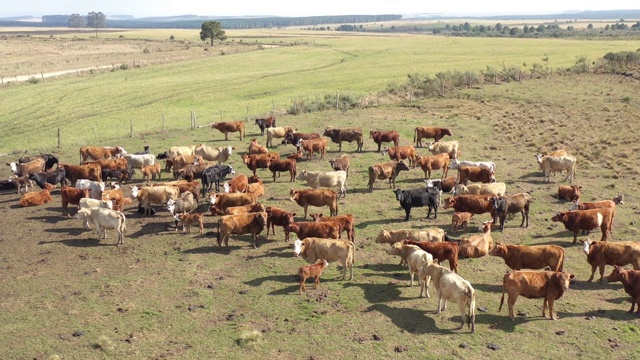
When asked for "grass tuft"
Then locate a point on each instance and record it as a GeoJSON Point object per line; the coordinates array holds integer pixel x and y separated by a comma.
{"type": "Point", "coordinates": [249, 338]}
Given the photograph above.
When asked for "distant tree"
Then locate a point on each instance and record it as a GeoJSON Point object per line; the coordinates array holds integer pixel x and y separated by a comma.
{"type": "Point", "coordinates": [447, 27]}
{"type": "Point", "coordinates": [76, 21]}
{"type": "Point", "coordinates": [607, 27]}
{"type": "Point", "coordinates": [525, 29]}
{"type": "Point", "coordinates": [96, 20]}
{"type": "Point", "coordinates": [514, 31]}
{"type": "Point", "coordinates": [621, 20]}
{"type": "Point", "coordinates": [466, 26]}
{"type": "Point", "coordinates": [482, 28]}
{"type": "Point", "coordinates": [570, 28]}
{"type": "Point", "coordinates": [590, 26]}
{"type": "Point", "coordinates": [212, 30]}
{"type": "Point", "coordinates": [540, 28]}
{"type": "Point", "coordinates": [498, 27]}
{"type": "Point", "coordinates": [505, 30]}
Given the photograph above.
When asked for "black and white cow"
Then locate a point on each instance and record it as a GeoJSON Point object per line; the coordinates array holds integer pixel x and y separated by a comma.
{"type": "Point", "coordinates": [265, 123]}
{"type": "Point", "coordinates": [418, 198]}
{"type": "Point", "coordinates": [214, 175]}
{"type": "Point", "coordinates": [49, 160]}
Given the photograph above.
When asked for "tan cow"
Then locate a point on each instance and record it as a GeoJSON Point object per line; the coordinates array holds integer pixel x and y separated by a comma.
{"type": "Point", "coordinates": [459, 219]}
{"type": "Point", "coordinates": [105, 219]}
{"type": "Point", "coordinates": [415, 258]}
{"type": "Point", "coordinates": [388, 170]}
{"type": "Point", "coordinates": [445, 147]}
{"type": "Point", "coordinates": [518, 257]}
{"type": "Point", "coordinates": [435, 162]}
{"type": "Point", "coordinates": [255, 148]}
{"type": "Point", "coordinates": [277, 133]}
{"type": "Point", "coordinates": [316, 179]}
{"type": "Point", "coordinates": [393, 236]}
{"type": "Point", "coordinates": [557, 163]}
{"type": "Point", "coordinates": [229, 127]}
{"type": "Point", "coordinates": [399, 153]}
{"type": "Point", "coordinates": [496, 188]}
{"type": "Point", "coordinates": [315, 197]}
{"type": "Point", "coordinates": [220, 154]}
{"type": "Point", "coordinates": [477, 246]}
{"type": "Point", "coordinates": [252, 223]}
{"type": "Point", "coordinates": [154, 195]}
{"type": "Point", "coordinates": [332, 250]}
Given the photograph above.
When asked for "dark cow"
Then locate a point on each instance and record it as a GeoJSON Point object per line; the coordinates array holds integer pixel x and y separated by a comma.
{"type": "Point", "coordinates": [349, 135]}
{"type": "Point", "coordinates": [517, 203]}
{"type": "Point", "coordinates": [120, 175]}
{"type": "Point", "coordinates": [265, 123]}
{"type": "Point", "coordinates": [294, 137]}
{"type": "Point", "coordinates": [440, 250]}
{"type": "Point", "coordinates": [631, 281]}
{"type": "Point", "coordinates": [146, 151]}
{"type": "Point", "coordinates": [418, 198]}
{"type": "Point", "coordinates": [214, 175]}
{"type": "Point", "coordinates": [385, 136]}
{"type": "Point", "coordinates": [279, 217]}
{"type": "Point", "coordinates": [51, 177]}
{"type": "Point", "coordinates": [588, 220]}
{"type": "Point", "coordinates": [49, 160]}
{"type": "Point", "coordinates": [388, 170]}
{"type": "Point", "coordinates": [475, 204]}
{"type": "Point", "coordinates": [289, 165]}
{"type": "Point", "coordinates": [422, 132]}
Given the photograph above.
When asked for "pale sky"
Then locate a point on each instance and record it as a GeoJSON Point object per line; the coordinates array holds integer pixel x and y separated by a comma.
{"type": "Point", "coordinates": [144, 8]}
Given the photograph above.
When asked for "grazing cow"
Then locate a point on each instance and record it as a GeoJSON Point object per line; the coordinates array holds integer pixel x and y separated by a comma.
{"type": "Point", "coordinates": [380, 137]}
{"type": "Point", "coordinates": [452, 287]}
{"type": "Point", "coordinates": [311, 271]}
{"type": "Point", "coordinates": [277, 133]}
{"type": "Point", "coordinates": [496, 188]}
{"type": "Point", "coordinates": [489, 165]}
{"type": "Point", "coordinates": [99, 153]}
{"type": "Point", "coordinates": [415, 258]}
{"type": "Point", "coordinates": [181, 161]}
{"type": "Point", "coordinates": [388, 170]}
{"type": "Point", "coordinates": [279, 217]}
{"type": "Point", "coordinates": [49, 160]}
{"type": "Point", "coordinates": [631, 281]}
{"type": "Point", "coordinates": [289, 165]}
{"type": "Point", "coordinates": [325, 230]}
{"type": "Point", "coordinates": [86, 203]}
{"type": "Point", "coordinates": [316, 179]}
{"type": "Point", "coordinates": [229, 127]}
{"type": "Point", "coordinates": [246, 209]}
{"type": "Point", "coordinates": [255, 148]}
{"type": "Point", "coordinates": [445, 185]}
{"type": "Point", "coordinates": [436, 162]}
{"type": "Point", "coordinates": [269, 122]}
{"type": "Point", "coordinates": [252, 223]}
{"type": "Point", "coordinates": [238, 184]}
{"type": "Point", "coordinates": [588, 220]}
{"type": "Point", "coordinates": [475, 204]}
{"type": "Point", "coordinates": [569, 193]}
{"type": "Point", "coordinates": [105, 219]}
{"type": "Point", "coordinates": [518, 257]}
{"type": "Point", "coordinates": [440, 251]}
{"type": "Point", "coordinates": [418, 198]}
{"type": "Point", "coordinates": [120, 175]}
{"type": "Point", "coordinates": [188, 219]}
{"type": "Point", "coordinates": [393, 236]}
{"type": "Point", "coordinates": [475, 174]}
{"type": "Point", "coordinates": [22, 181]}
{"type": "Point", "coordinates": [32, 167]}
{"type": "Point", "coordinates": [604, 253]}
{"type": "Point", "coordinates": [346, 222]}
{"type": "Point", "coordinates": [422, 132]}
{"type": "Point", "coordinates": [149, 172]}
{"type": "Point", "coordinates": [220, 154]}
{"type": "Point", "coordinates": [445, 147]}
{"type": "Point", "coordinates": [460, 219]}
{"type": "Point", "coordinates": [332, 250]}
{"type": "Point", "coordinates": [313, 145]}
{"type": "Point", "coordinates": [511, 204]}
{"type": "Point", "coordinates": [214, 175]}
{"type": "Point", "coordinates": [256, 161]}
{"type": "Point", "coordinates": [476, 246]}
{"type": "Point", "coordinates": [341, 163]}
{"type": "Point", "coordinates": [96, 188]}
{"type": "Point", "coordinates": [255, 187]}
{"type": "Point", "coordinates": [557, 163]}
{"type": "Point", "coordinates": [154, 195]}
{"type": "Point", "coordinates": [222, 201]}
{"type": "Point", "coordinates": [294, 138]}
{"type": "Point", "coordinates": [138, 161]}
{"type": "Point", "coordinates": [37, 198]}
{"type": "Point", "coordinates": [549, 285]}
{"type": "Point", "coordinates": [402, 152]}
{"type": "Point", "coordinates": [194, 171]}
{"type": "Point", "coordinates": [349, 135]}
{"type": "Point", "coordinates": [315, 197]}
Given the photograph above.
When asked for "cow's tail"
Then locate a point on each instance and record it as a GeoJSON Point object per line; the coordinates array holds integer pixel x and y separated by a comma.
{"type": "Point", "coordinates": [471, 315]}
{"type": "Point", "coordinates": [218, 237]}
{"type": "Point", "coordinates": [352, 252]}
{"type": "Point", "coordinates": [448, 239]}
{"type": "Point", "coordinates": [504, 287]}
{"type": "Point", "coordinates": [415, 135]}
{"type": "Point", "coordinates": [123, 227]}
{"type": "Point", "coordinates": [335, 204]}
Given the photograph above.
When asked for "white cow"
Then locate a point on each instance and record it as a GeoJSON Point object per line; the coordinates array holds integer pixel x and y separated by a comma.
{"type": "Point", "coordinates": [277, 133]}
{"type": "Point", "coordinates": [316, 179]}
{"type": "Point", "coordinates": [208, 153]}
{"type": "Point", "coordinates": [455, 163]}
{"type": "Point", "coordinates": [415, 259]}
{"type": "Point", "coordinates": [445, 147]}
{"type": "Point", "coordinates": [549, 164]}
{"type": "Point", "coordinates": [86, 203]}
{"type": "Point", "coordinates": [138, 161]}
{"type": "Point", "coordinates": [96, 187]}
{"type": "Point", "coordinates": [181, 150]}
{"type": "Point", "coordinates": [105, 219]}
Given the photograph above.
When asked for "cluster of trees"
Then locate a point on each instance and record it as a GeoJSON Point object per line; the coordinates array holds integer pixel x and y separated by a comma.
{"type": "Point", "coordinates": [93, 20]}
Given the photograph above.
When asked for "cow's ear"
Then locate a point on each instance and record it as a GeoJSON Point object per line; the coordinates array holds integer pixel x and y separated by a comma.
{"type": "Point", "coordinates": [594, 242]}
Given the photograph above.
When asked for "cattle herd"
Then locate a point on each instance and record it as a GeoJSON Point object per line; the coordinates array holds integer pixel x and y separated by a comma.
{"type": "Point", "coordinates": [199, 173]}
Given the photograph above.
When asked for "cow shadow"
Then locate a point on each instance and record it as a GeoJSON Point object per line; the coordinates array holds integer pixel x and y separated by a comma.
{"type": "Point", "coordinates": [74, 231]}
{"type": "Point", "coordinates": [48, 219]}
{"type": "Point", "coordinates": [410, 320]}
{"type": "Point", "coordinates": [593, 285]}
{"type": "Point", "coordinates": [215, 249]}
{"type": "Point", "coordinates": [561, 243]}
{"type": "Point", "coordinates": [289, 290]}
{"type": "Point", "coordinates": [83, 243]}
{"type": "Point", "coordinates": [364, 224]}
{"type": "Point", "coordinates": [620, 300]}
{"type": "Point", "coordinates": [274, 253]}
{"type": "Point", "coordinates": [377, 293]}
{"type": "Point", "coordinates": [285, 279]}
{"type": "Point", "coordinates": [15, 206]}
{"type": "Point", "coordinates": [381, 267]}
{"type": "Point", "coordinates": [153, 228]}
{"type": "Point", "coordinates": [489, 288]}
{"type": "Point", "coordinates": [616, 314]}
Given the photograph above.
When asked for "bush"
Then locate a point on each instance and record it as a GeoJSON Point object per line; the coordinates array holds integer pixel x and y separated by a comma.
{"type": "Point", "coordinates": [146, 51]}
{"type": "Point", "coordinates": [124, 67]}
{"type": "Point", "coordinates": [33, 80]}
{"type": "Point", "coordinates": [171, 37]}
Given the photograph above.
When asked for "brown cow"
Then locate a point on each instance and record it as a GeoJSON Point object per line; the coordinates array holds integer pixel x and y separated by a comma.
{"type": "Point", "coordinates": [604, 204]}
{"type": "Point", "coordinates": [256, 161]}
{"type": "Point", "coordinates": [460, 219]}
{"type": "Point", "coordinates": [476, 246]}
{"type": "Point", "coordinates": [37, 198]}
{"type": "Point", "coordinates": [313, 145]}
{"type": "Point", "coordinates": [446, 185]}
{"type": "Point", "coordinates": [71, 195]}
{"type": "Point", "coordinates": [255, 148]}
{"type": "Point", "coordinates": [229, 127]}
{"type": "Point", "coordinates": [475, 174]}
{"type": "Point", "coordinates": [402, 152]}
{"type": "Point", "coordinates": [245, 209]}
{"type": "Point", "coordinates": [34, 166]}
{"type": "Point", "coordinates": [188, 219]}
{"type": "Point", "coordinates": [181, 161]}
{"type": "Point", "coordinates": [388, 170]}
{"type": "Point", "coordinates": [385, 136]}
{"type": "Point", "coordinates": [475, 204]}
{"type": "Point", "coordinates": [346, 222]}
{"type": "Point", "coordinates": [113, 164]}
{"type": "Point", "coordinates": [349, 135]}
{"type": "Point", "coordinates": [315, 197]}
{"type": "Point", "coordinates": [255, 187]}
{"type": "Point", "coordinates": [279, 217]}
{"type": "Point", "coordinates": [324, 230]}
{"type": "Point", "coordinates": [193, 171]}
{"type": "Point", "coordinates": [577, 220]}
{"type": "Point", "coordinates": [341, 163]}
{"type": "Point", "coordinates": [293, 138]}
{"type": "Point", "coordinates": [422, 132]}
{"type": "Point", "coordinates": [99, 153]}
{"type": "Point", "coordinates": [603, 253]}
{"type": "Point", "coordinates": [222, 201]}
{"type": "Point", "coordinates": [569, 193]}
{"type": "Point", "coordinates": [238, 184]}
{"type": "Point", "coordinates": [311, 271]}
{"type": "Point", "coordinates": [289, 165]}
{"type": "Point", "coordinates": [439, 250]}
{"type": "Point", "coordinates": [435, 162]}
{"type": "Point", "coordinates": [511, 204]}
{"type": "Point", "coordinates": [242, 224]}
{"type": "Point", "coordinates": [631, 281]}
{"type": "Point", "coordinates": [549, 285]}
{"type": "Point", "coordinates": [518, 257]}
{"type": "Point", "coordinates": [149, 172]}
{"type": "Point", "coordinates": [91, 171]}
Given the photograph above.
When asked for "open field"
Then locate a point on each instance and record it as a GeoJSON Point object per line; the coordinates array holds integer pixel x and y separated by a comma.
{"type": "Point", "coordinates": [168, 295]}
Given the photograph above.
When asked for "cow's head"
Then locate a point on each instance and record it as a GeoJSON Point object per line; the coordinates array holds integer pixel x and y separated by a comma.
{"type": "Point", "coordinates": [383, 237]}
{"type": "Point", "coordinates": [245, 159]}
{"type": "Point", "coordinates": [399, 194]}
{"type": "Point", "coordinates": [538, 158]}
{"type": "Point", "coordinates": [303, 175]}
{"type": "Point", "coordinates": [293, 195]}
{"type": "Point", "coordinates": [430, 146]}
{"type": "Point", "coordinates": [213, 198]}
{"type": "Point", "coordinates": [574, 205]}
{"type": "Point", "coordinates": [316, 217]}
{"type": "Point", "coordinates": [226, 187]}
{"type": "Point", "coordinates": [229, 150]}
{"type": "Point", "coordinates": [561, 216]}
{"type": "Point", "coordinates": [101, 185]}
{"type": "Point", "coordinates": [135, 191]}
{"type": "Point", "coordinates": [498, 250]}
{"type": "Point", "coordinates": [401, 166]}
{"type": "Point", "coordinates": [371, 133]}
{"type": "Point", "coordinates": [13, 166]}
{"type": "Point", "coordinates": [395, 249]}
{"type": "Point", "coordinates": [459, 189]}
{"type": "Point", "coordinates": [299, 143]}
{"type": "Point", "coordinates": [83, 213]}
{"type": "Point", "coordinates": [446, 132]}
{"type": "Point", "coordinates": [449, 202]}
{"type": "Point", "coordinates": [586, 246]}
{"type": "Point", "coordinates": [485, 226]}
{"type": "Point", "coordinates": [564, 279]}
{"type": "Point", "coordinates": [385, 151]}
{"type": "Point", "coordinates": [123, 152]}
{"type": "Point", "coordinates": [616, 274]}
{"type": "Point", "coordinates": [492, 176]}
{"type": "Point", "coordinates": [298, 247]}
{"type": "Point", "coordinates": [619, 199]}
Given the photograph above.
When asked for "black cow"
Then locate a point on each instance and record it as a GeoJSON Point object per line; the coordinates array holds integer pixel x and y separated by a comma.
{"type": "Point", "coordinates": [294, 138]}
{"type": "Point", "coordinates": [51, 177]}
{"type": "Point", "coordinates": [214, 175]}
{"type": "Point", "coordinates": [418, 198]}
{"type": "Point", "coordinates": [265, 123]}
{"type": "Point", "coordinates": [349, 135]}
{"type": "Point", "coordinates": [146, 151]}
{"type": "Point", "coordinates": [119, 175]}
{"type": "Point", "coordinates": [7, 185]}
{"type": "Point", "coordinates": [49, 160]}
{"type": "Point", "coordinates": [162, 156]}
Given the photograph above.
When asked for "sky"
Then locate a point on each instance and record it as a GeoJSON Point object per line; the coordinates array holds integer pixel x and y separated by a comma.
{"type": "Point", "coordinates": [146, 8]}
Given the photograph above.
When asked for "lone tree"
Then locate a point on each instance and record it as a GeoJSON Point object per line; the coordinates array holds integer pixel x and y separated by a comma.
{"type": "Point", "coordinates": [96, 20]}
{"type": "Point", "coordinates": [76, 21]}
{"type": "Point", "coordinates": [212, 30]}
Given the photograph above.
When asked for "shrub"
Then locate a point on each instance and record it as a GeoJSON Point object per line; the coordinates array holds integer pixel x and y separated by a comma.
{"type": "Point", "coordinates": [146, 51]}
{"type": "Point", "coordinates": [33, 80]}
{"type": "Point", "coordinates": [171, 37]}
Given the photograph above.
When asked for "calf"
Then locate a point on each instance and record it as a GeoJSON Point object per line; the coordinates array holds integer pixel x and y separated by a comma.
{"type": "Point", "coordinates": [21, 181]}
{"type": "Point", "coordinates": [331, 250]}
{"type": "Point", "coordinates": [399, 153]}
{"type": "Point", "coordinates": [600, 254]}
{"type": "Point", "coordinates": [346, 222]}
{"type": "Point", "coordinates": [315, 197]}
{"type": "Point", "coordinates": [388, 170]}
{"type": "Point", "coordinates": [37, 198]}
{"type": "Point", "coordinates": [313, 145]}
{"type": "Point", "coordinates": [631, 281]}
{"type": "Point", "coordinates": [294, 138]}
{"type": "Point", "coordinates": [588, 220]}
{"type": "Point", "coordinates": [475, 174]}
{"type": "Point", "coordinates": [242, 224]}
{"type": "Point", "coordinates": [475, 204]}
{"type": "Point", "coordinates": [255, 148]}
{"type": "Point", "coordinates": [436, 162]}
{"type": "Point", "coordinates": [549, 285]}
{"type": "Point", "coordinates": [188, 219]}
{"type": "Point", "coordinates": [72, 196]}
{"type": "Point", "coordinates": [440, 251]}
{"type": "Point", "coordinates": [279, 217]}
{"type": "Point", "coordinates": [518, 257]}
{"type": "Point", "coordinates": [452, 287]}
{"type": "Point", "coordinates": [325, 230]}
{"type": "Point", "coordinates": [513, 204]}
{"type": "Point", "coordinates": [460, 219]}
{"type": "Point", "coordinates": [418, 198]}
{"type": "Point", "coordinates": [282, 166]}
{"type": "Point", "coordinates": [569, 193]}
{"type": "Point", "coordinates": [380, 137]}
{"type": "Point", "coordinates": [32, 167]}
{"type": "Point", "coordinates": [422, 132]}
{"type": "Point", "coordinates": [341, 163]}
{"type": "Point", "coordinates": [105, 219]}
{"type": "Point", "coordinates": [149, 172]}
{"type": "Point", "coordinates": [52, 177]}
{"type": "Point", "coordinates": [238, 184]}
{"type": "Point", "coordinates": [311, 271]}
{"type": "Point", "coordinates": [415, 258]}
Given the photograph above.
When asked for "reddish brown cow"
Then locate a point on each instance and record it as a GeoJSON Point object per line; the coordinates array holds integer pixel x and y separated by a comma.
{"type": "Point", "coordinates": [588, 220]}
{"type": "Point", "coordinates": [313, 145]}
{"type": "Point", "coordinates": [323, 230]}
{"type": "Point", "coordinates": [71, 195]}
{"type": "Point", "coordinates": [229, 127]}
{"type": "Point", "coordinates": [603, 253]}
{"type": "Point", "coordinates": [244, 209]}
{"type": "Point", "coordinates": [37, 198]}
{"type": "Point", "coordinates": [255, 148]}
{"type": "Point", "coordinates": [113, 164]}
{"type": "Point", "coordinates": [402, 152]}
{"type": "Point", "coordinates": [312, 271]}
{"type": "Point", "coordinates": [279, 217]}
{"type": "Point", "coordinates": [460, 219]}
{"type": "Point", "coordinates": [569, 193]}
{"type": "Point", "coordinates": [99, 153]}
{"type": "Point", "coordinates": [631, 281]}
{"type": "Point", "coordinates": [422, 132]}
{"type": "Point", "coordinates": [282, 166]}
{"type": "Point", "coordinates": [239, 225]}
{"type": "Point", "coordinates": [238, 184]}
{"type": "Point", "coordinates": [341, 163]}
{"type": "Point", "coordinates": [256, 161]}
{"type": "Point", "coordinates": [475, 174]}
{"type": "Point", "coordinates": [315, 197]}
{"type": "Point", "coordinates": [91, 171]}
{"type": "Point", "coordinates": [446, 185]}
{"type": "Point", "coordinates": [385, 136]}
{"type": "Point", "coordinates": [475, 204]}
{"type": "Point", "coordinates": [349, 135]}
{"type": "Point", "coordinates": [440, 250]}
{"type": "Point", "coordinates": [346, 222]}
{"type": "Point", "coordinates": [549, 285]}
{"type": "Point", "coordinates": [293, 138]}
{"type": "Point", "coordinates": [604, 204]}
{"type": "Point", "coordinates": [518, 257]}
{"type": "Point", "coordinates": [435, 162]}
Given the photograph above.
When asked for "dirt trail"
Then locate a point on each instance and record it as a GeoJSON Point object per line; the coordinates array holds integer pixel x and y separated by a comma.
{"type": "Point", "coordinates": [46, 75]}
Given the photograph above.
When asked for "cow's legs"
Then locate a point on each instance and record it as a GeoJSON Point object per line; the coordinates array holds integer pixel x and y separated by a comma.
{"type": "Point", "coordinates": [512, 301]}
{"type": "Point", "coordinates": [462, 305]}
{"type": "Point", "coordinates": [593, 271]}
{"type": "Point", "coordinates": [601, 268]}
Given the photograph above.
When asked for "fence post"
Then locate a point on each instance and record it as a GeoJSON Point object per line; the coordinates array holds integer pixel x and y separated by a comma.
{"type": "Point", "coordinates": [337, 98]}
{"type": "Point", "coordinates": [246, 119]}
{"type": "Point", "coordinates": [58, 138]}
{"type": "Point", "coordinates": [195, 118]}
{"type": "Point", "coordinates": [378, 100]}
{"type": "Point", "coordinates": [131, 126]}
{"type": "Point", "coordinates": [411, 96]}
{"type": "Point", "coordinates": [520, 76]}
{"type": "Point", "coordinates": [295, 107]}
{"type": "Point", "coordinates": [495, 78]}
{"type": "Point", "coordinates": [273, 108]}
{"type": "Point", "coordinates": [2, 80]}
{"type": "Point", "coordinates": [163, 122]}
{"type": "Point", "coordinates": [78, 71]}
{"type": "Point", "coordinates": [221, 115]}
{"type": "Point", "coordinates": [42, 74]}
